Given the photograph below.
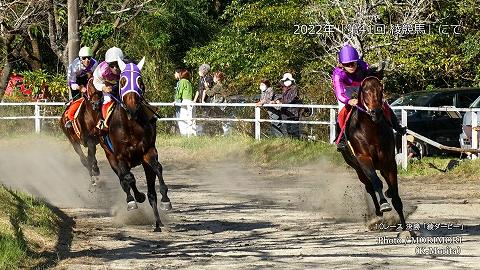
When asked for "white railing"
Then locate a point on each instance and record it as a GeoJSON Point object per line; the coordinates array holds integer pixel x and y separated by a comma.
{"type": "Point", "coordinates": [257, 120]}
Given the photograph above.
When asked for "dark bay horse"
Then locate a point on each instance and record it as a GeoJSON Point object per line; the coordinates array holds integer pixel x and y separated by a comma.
{"type": "Point", "coordinates": [371, 147]}
{"type": "Point", "coordinates": [131, 142]}
{"type": "Point", "coordinates": [86, 133]}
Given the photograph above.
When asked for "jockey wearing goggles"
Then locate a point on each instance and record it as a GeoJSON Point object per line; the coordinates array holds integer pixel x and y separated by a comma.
{"type": "Point", "coordinates": [80, 70]}
{"type": "Point", "coordinates": [78, 73]}
{"type": "Point", "coordinates": [105, 79]}
{"type": "Point", "coordinates": [347, 77]}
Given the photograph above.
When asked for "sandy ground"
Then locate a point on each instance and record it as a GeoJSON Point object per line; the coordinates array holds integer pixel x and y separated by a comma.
{"type": "Point", "coordinates": [230, 215]}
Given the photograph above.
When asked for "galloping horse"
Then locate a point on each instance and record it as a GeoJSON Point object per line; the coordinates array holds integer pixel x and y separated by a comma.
{"type": "Point", "coordinates": [83, 131]}
{"type": "Point", "coordinates": [131, 141]}
{"type": "Point", "coordinates": [372, 147]}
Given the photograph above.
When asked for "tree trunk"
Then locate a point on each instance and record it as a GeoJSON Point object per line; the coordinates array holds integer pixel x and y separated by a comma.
{"type": "Point", "coordinates": [7, 66]}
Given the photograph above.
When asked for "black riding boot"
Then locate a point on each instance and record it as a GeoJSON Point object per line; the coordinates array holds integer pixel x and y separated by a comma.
{"type": "Point", "coordinates": [342, 143]}
{"type": "Point", "coordinates": [396, 124]}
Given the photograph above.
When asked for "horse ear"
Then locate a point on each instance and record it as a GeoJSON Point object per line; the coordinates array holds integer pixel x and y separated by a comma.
{"type": "Point", "coordinates": [121, 64]}
{"type": "Point", "coordinates": [140, 64]}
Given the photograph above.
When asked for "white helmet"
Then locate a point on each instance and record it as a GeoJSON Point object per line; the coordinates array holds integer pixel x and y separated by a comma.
{"type": "Point", "coordinates": [287, 77]}
{"type": "Point", "coordinates": [85, 52]}
{"type": "Point", "coordinates": [113, 54]}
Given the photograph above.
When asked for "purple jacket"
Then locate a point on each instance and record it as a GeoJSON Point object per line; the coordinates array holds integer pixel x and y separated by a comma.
{"type": "Point", "coordinates": [342, 79]}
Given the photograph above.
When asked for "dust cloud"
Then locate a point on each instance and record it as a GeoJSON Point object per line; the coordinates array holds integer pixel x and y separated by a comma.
{"type": "Point", "coordinates": [47, 168]}
{"type": "Point", "coordinates": [319, 187]}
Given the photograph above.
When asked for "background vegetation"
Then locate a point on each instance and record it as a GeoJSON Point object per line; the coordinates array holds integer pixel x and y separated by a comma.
{"type": "Point", "coordinates": [253, 39]}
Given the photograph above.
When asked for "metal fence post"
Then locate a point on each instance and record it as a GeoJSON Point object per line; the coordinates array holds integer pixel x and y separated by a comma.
{"type": "Point", "coordinates": [333, 115]}
{"type": "Point", "coordinates": [257, 123]}
{"type": "Point", "coordinates": [404, 141]}
{"type": "Point", "coordinates": [37, 118]}
{"type": "Point", "coordinates": [474, 133]}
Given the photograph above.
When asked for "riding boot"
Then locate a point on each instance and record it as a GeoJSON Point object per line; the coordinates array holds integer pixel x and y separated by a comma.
{"type": "Point", "coordinates": [396, 124]}
{"type": "Point", "coordinates": [342, 143]}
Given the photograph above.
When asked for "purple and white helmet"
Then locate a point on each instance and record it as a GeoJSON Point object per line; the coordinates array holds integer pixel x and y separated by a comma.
{"type": "Point", "coordinates": [348, 54]}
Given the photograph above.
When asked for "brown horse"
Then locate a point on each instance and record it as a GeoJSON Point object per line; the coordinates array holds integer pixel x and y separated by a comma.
{"type": "Point", "coordinates": [85, 133]}
{"type": "Point", "coordinates": [131, 142]}
{"type": "Point", "coordinates": [372, 147]}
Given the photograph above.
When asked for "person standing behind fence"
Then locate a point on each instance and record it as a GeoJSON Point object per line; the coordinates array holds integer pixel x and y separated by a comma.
{"type": "Point", "coordinates": [205, 82]}
{"type": "Point", "coordinates": [290, 96]}
{"type": "Point", "coordinates": [266, 97]}
{"type": "Point", "coordinates": [184, 95]}
{"type": "Point", "coordinates": [218, 94]}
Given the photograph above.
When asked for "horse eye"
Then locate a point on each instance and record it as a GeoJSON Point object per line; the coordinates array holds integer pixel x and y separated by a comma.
{"type": "Point", "coordinates": [140, 83]}
{"type": "Point", "coordinates": [123, 81]}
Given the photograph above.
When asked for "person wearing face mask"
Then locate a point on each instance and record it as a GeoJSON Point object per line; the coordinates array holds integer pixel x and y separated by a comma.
{"type": "Point", "coordinates": [290, 96]}
{"type": "Point", "coordinates": [266, 97]}
{"type": "Point", "coordinates": [347, 78]}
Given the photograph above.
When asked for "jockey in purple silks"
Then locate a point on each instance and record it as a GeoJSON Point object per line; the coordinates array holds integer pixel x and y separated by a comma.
{"type": "Point", "coordinates": [105, 79]}
{"type": "Point", "coordinates": [347, 78]}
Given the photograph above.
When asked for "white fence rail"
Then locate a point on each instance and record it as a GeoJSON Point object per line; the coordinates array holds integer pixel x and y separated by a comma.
{"type": "Point", "coordinates": [37, 117]}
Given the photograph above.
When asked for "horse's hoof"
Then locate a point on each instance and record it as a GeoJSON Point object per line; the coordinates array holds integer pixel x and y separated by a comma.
{"type": "Point", "coordinates": [140, 197]}
{"type": "Point", "coordinates": [132, 205]}
{"type": "Point", "coordinates": [385, 207]}
{"type": "Point", "coordinates": [93, 180]}
{"type": "Point", "coordinates": [157, 229]}
{"type": "Point", "coordinates": [165, 206]}
{"type": "Point", "coordinates": [95, 171]}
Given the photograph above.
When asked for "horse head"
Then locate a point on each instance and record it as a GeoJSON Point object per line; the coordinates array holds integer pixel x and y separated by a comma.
{"type": "Point", "coordinates": [93, 96]}
{"type": "Point", "coordinates": [131, 86]}
{"type": "Point", "coordinates": [371, 97]}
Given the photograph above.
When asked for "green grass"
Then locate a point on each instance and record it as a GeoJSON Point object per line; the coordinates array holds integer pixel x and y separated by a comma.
{"type": "Point", "coordinates": [25, 224]}
{"type": "Point", "coordinates": [284, 152]}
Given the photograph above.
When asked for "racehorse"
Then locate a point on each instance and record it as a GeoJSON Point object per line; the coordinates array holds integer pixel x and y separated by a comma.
{"type": "Point", "coordinates": [131, 141]}
{"type": "Point", "coordinates": [371, 146]}
{"type": "Point", "coordinates": [83, 131]}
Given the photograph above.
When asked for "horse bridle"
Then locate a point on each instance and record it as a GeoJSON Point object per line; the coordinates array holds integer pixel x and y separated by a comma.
{"type": "Point", "coordinates": [367, 110]}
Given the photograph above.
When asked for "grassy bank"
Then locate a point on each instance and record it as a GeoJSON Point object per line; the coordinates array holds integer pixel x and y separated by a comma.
{"type": "Point", "coordinates": [285, 152]}
{"type": "Point", "coordinates": [28, 229]}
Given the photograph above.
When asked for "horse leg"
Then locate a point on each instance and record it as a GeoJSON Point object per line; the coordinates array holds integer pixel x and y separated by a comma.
{"type": "Point", "coordinates": [367, 167]}
{"type": "Point", "coordinates": [78, 150]}
{"type": "Point", "coordinates": [151, 158]}
{"type": "Point", "coordinates": [393, 192]}
{"type": "Point", "coordinates": [369, 189]}
{"type": "Point", "coordinates": [92, 161]}
{"type": "Point", "coordinates": [125, 177]}
{"type": "Point", "coordinates": [152, 194]}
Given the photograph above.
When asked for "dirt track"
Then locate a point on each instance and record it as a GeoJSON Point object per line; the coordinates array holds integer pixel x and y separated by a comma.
{"type": "Point", "coordinates": [228, 214]}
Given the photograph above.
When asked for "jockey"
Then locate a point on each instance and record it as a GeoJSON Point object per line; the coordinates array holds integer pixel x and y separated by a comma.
{"type": "Point", "coordinates": [347, 77]}
{"type": "Point", "coordinates": [105, 79]}
{"type": "Point", "coordinates": [79, 71]}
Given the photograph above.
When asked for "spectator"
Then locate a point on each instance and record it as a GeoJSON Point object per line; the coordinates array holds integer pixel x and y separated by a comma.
{"type": "Point", "coordinates": [177, 77]}
{"type": "Point", "coordinates": [412, 150]}
{"type": "Point", "coordinates": [217, 94]}
{"type": "Point", "coordinates": [184, 95]}
{"type": "Point", "coordinates": [290, 96]}
{"type": "Point", "coordinates": [266, 97]}
{"type": "Point", "coordinates": [205, 82]}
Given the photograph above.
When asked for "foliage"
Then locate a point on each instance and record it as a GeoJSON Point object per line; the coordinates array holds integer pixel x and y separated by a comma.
{"type": "Point", "coordinates": [257, 43]}
{"type": "Point", "coordinates": [55, 86]}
